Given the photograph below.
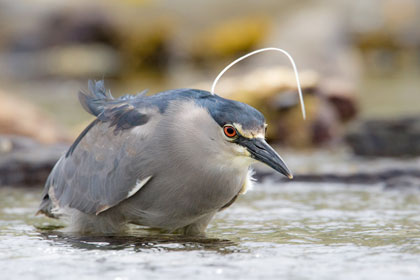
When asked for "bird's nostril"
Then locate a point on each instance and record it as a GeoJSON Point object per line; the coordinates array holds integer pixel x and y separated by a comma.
{"type": "Point", "coordinates": [258, 145]}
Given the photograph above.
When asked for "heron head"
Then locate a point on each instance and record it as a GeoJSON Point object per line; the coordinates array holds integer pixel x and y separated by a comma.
{"type": "Point", "coordinates": [242, 129]}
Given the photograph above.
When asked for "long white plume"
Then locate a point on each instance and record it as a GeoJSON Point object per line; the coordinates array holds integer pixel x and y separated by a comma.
{"type": "Point", "coordinates": [302, 104]}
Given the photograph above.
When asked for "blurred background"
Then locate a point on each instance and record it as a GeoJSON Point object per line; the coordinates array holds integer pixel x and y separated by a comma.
{"type": "Point", "coordinates": [359, 63]}
{"type": "Point", "coordinates": [352, 210]}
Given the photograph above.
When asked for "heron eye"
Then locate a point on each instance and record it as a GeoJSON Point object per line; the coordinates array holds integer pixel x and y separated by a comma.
{"type": "Point", "coordinates": [229, 131]}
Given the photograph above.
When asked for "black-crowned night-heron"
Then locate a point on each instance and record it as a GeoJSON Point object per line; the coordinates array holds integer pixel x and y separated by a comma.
{"type": "Point", "coordinates": [169, 161]}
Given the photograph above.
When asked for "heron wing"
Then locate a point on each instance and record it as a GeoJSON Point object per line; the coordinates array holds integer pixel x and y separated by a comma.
{"type": "Point", "coordinates": [106, 164]}
{"type": "Point", "coordinates": [101, 172]}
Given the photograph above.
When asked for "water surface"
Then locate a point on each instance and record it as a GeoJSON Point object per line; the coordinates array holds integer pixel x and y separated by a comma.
{"type": "Point", "coordinates": [289, 231]}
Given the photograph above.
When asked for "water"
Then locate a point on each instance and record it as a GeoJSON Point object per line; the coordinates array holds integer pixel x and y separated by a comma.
{"type": "Point", "coordinates": [292, 231]}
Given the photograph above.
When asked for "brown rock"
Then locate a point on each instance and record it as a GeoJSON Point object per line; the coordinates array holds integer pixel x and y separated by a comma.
{"type": "Point", "coordinates": [273, 91]}
{"type": "Point", "coordinates": [19, 117]}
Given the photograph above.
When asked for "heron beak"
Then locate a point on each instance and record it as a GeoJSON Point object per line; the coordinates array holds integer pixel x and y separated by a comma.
{"type": "Point", "coordinates": [261, 151]}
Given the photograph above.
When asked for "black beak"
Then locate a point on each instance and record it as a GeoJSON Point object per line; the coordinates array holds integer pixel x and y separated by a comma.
{"type": "Point", "coordinates": [263, 152]}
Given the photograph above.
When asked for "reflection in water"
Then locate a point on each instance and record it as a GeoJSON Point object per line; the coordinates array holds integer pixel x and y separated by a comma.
{"type": "Point", "coordinates": [165, 242]}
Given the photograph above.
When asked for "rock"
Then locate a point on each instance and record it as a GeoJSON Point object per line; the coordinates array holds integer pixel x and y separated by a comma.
{"type": "Point", "coordinates": [386, 33]}
{"type": "Point", "coordinates": [19, 117]}
{"type": "Point", "coordinates": [26, 162]}
{"type": "Point", "coordinates": [392, 138]}
{"type": "Point", "coordinates": [147, 47]}
{"type": "Point", "coordinates": [227, 39]}
{"type": "Point", "coordinates": [344, 169]}
{"type": "Point", "coordinates": [392, 178]}
{"type": "Point", "coordinates": [407, 181]}
{"type": "Point", "coordinates": [340, 166]}
{"type": "Point", "coordinates": [273, 90]}
{"type": "Point", "coordinates": [103, 41]}
{"type": "Point", "coordinates": [325, 49]}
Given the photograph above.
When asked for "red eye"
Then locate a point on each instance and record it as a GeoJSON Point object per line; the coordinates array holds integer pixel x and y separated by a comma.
{"type": "Point", "coordinates": [230, 131]}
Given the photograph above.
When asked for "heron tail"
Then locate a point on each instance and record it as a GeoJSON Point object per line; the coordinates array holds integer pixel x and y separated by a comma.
{"type": "Point", "coordinates": [46, 205]}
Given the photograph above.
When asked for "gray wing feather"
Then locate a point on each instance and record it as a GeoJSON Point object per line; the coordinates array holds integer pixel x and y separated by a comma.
{"type": "Point", "coordinates": [106, 161]}
{"type": "Point", "coordinates": [119, 113]}
{"type": "Point", "coordinates": [100, 173]}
